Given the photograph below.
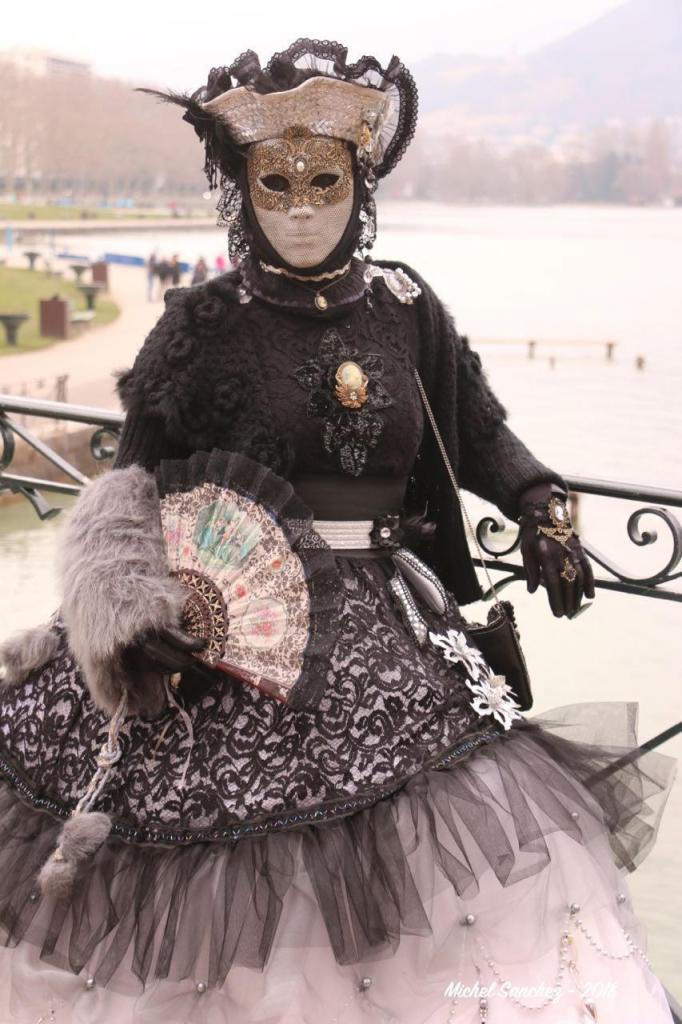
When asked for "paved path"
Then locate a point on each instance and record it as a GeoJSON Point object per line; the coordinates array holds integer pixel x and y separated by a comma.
{"type": "Point", "coordinates": [91, 358]}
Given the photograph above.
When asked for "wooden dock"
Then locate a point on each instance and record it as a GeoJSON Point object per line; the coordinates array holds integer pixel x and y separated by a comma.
{"type": "Point", "coordinates": [533, 345]}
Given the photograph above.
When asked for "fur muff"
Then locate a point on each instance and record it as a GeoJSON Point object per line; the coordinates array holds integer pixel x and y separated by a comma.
{"type": "Point", "coordinates": [26, 652]}
{"type": "Point", "coordinates": [116, 585]}
{"type": "Point", "coordinates": [81, 836]}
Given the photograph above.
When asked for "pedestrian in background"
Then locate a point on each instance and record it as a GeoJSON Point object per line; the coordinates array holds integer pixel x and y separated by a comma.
{"type": "Point", "coordinates": [200, 271]}
{"type": "Point", "coordinates": [163, 272]}
{"type": "Point", "coordinates": [151, 265]}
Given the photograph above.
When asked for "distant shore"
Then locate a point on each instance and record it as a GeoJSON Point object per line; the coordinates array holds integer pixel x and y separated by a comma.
{"type": "Point", "coordinates": [102, 226]}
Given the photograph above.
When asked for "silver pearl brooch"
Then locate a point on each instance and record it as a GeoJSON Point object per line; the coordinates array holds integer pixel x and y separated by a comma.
{"type": "Point", "coordinates": [201, 987]}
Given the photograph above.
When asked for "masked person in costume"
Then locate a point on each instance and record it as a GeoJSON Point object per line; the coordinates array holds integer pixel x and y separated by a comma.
{"type": "Point", "coordinates": [381, 835]}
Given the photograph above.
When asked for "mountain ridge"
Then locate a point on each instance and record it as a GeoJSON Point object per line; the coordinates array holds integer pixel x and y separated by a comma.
{"type": "Point", "coordinates": [624, 65]}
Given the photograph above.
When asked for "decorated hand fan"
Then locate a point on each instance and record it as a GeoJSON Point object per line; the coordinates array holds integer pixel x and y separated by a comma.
{"type": "Point", "coordinates": [262, 584]}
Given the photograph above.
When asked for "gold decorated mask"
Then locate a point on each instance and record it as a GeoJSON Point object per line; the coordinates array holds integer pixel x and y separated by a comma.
{"type": "Point", "coordinates": [299, 169]}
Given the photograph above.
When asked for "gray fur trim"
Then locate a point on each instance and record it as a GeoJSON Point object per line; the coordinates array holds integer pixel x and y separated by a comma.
{"type": "Point", "coordinates": [115, 582]}
{"type": "Point", "coordinates": [26, 652]}
{"type": "Point", "coordinates": [81, 836]}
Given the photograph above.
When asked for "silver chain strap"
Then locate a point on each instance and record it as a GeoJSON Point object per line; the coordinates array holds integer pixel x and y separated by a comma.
{"type": "Point", "coordinates": [446, 460]}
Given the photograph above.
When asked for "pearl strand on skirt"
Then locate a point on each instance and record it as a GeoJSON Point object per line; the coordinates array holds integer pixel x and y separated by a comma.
{"type": "Point", "coordinates": [632, 946]}
{"type": "Point", "coordinates": [555, 988]}
{"type": "Point", "coordinates": [566, 963]}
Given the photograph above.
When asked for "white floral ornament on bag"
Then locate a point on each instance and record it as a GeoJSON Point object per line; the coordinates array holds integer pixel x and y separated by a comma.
{"type": "Point", "coordinates": [492, 694]}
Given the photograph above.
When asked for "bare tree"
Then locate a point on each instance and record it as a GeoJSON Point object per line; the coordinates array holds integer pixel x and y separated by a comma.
{"type": "Point", "coordinates": [94, 139]}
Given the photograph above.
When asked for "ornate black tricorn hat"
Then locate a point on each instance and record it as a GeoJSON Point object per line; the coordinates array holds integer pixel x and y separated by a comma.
{"type": "Point", "coordinates": [309, 84]}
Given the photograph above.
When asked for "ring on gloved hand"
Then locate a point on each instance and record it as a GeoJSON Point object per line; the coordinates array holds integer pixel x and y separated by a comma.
{"type": "Point", "coordinates": [569, 571]}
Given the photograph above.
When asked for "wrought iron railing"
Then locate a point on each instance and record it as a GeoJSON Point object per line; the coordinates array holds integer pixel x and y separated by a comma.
{"type": "Point", "coordinates": [655, 503]}
{"type": "Point", "coordinates": [13, 410]}
{"type": "Point", "coordinates": [651, 501]}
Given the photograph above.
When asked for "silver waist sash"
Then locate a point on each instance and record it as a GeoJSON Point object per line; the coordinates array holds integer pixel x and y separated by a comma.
{"type": "Point", "coordinates": [345, 533]}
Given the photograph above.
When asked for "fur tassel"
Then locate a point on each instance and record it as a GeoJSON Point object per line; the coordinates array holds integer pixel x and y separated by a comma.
{"type": "Point", "coordinates": [86, 830]}
{"type": "Point", "coordinates": [80, 837]}
{"type": "Point", "coordinates": [26, 652]}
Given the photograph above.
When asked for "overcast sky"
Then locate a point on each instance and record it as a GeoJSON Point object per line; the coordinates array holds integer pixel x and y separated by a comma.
{"type": "Point", "coordinates": [175, 43]}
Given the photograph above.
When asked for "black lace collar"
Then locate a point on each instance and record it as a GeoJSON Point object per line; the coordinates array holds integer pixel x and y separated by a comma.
{"type": "Point", "coordinates": [300, 296]}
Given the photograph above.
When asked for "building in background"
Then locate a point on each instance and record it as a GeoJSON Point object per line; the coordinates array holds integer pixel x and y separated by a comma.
{"type": "Point", "coordinates": [42, 62]}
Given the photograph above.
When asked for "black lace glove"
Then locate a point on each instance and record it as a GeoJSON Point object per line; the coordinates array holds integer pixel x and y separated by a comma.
{"type": "Point", "coordinates": [551, 551]}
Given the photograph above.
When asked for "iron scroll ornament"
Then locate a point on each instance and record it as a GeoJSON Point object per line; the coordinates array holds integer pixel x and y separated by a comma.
{"type": "Point", "coordinates": [621, 579]}
{"type": "Point", "coordinates": [102, 452]}
{"type": "Point", "coordinates": [7, 440]}
{"type": "Point", "coordinates": [104, 423]}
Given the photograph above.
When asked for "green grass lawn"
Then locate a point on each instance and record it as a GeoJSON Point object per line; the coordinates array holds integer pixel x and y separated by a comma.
{"type": "Point", "coordinates": [21, 291]}
{"type": "Point", "coordinates": [28, 212]}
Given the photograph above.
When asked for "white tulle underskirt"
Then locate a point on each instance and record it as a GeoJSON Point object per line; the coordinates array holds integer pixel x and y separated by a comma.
{"type": "Point", "coordinates": [503, 936]}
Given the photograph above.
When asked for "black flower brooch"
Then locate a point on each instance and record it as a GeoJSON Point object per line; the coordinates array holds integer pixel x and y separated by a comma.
{"type": "Point", "coordinates": [346, 392]}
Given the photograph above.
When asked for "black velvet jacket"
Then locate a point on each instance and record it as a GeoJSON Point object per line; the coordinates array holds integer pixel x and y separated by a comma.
{"type": "Point", "coordinates": [201, 381]}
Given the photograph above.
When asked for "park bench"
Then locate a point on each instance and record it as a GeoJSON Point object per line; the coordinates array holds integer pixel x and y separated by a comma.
{"type": "Point", "coordinates": [82, 316]}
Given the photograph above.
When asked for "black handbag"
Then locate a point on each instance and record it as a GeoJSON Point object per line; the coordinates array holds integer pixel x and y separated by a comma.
{"type": "Point", "coordinates": [499, 642]}
{"type": "Point", "coordinates": [498, 639]}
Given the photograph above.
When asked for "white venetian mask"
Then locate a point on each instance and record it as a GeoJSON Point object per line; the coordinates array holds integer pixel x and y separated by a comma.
{"type": "Point", "coordinates": [302, 189]}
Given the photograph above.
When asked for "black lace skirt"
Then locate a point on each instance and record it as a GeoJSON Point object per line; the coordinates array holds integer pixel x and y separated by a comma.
{"type": "Point", "coordinates": [346, 829]}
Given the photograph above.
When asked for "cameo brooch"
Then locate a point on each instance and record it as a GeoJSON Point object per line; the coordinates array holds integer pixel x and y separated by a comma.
{"type": "Point", "coordinates": [351, 385]}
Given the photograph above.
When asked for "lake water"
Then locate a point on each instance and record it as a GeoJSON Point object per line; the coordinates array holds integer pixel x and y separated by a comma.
{"type": "Point", "coordinates": [560, 273]}
{"type": "Point", "coordinates": [563, 273]}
